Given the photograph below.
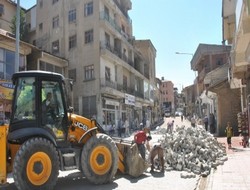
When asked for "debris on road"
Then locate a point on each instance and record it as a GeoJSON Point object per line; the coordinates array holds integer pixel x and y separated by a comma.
{"type": "Point", "coordinates": [192, 150]}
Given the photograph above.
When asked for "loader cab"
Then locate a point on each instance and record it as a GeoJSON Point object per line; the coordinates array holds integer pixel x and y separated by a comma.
{"type": "Point", "coordinates": [39, 107]}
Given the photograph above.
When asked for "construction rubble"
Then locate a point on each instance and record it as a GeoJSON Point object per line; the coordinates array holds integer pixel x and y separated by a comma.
{"type": "Point", "coordinates": [192, 150]}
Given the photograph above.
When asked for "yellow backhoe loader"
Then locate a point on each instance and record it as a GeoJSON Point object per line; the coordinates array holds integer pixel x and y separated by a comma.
{"type": "Point", "coordinates": [45, 136]}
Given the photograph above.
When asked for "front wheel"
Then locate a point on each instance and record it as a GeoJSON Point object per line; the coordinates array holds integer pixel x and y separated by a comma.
{"type": "Point", "coordinates": [99, 159]}
{"type": "Point", "coordinates": [36, 165]}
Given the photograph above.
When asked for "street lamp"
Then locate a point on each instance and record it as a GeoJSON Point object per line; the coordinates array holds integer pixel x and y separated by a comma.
{"type": "Point", "coordinates": [17, 36]}
{"type": "Point", "coordinates": [197, 87]}
{"type": "Point", "coordinates": [184, 53]}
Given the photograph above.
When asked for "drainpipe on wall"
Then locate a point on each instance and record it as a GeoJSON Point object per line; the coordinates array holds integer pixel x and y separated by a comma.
{"type": "Point", "coordinates": [241, 98]}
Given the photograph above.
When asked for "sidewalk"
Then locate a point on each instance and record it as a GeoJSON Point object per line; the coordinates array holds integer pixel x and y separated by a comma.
{"type": "Point", "coordinates": [234, 174]}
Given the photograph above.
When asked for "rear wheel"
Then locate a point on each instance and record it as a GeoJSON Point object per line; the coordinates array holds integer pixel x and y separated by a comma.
{"type": "Point", "coordinates": [99, 159]}
{"type": "Point", "coordinates": [36, 165]}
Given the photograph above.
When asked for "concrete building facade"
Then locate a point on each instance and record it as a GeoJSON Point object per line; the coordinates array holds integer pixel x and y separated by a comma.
{"type": "Point", "coordinates": [212, 63]}
{"type": "Point", "coordinates": [168, 98]}
{"type": "Point", "coordinates": [113, 74]}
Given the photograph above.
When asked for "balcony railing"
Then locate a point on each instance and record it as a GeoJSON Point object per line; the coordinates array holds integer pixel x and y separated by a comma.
{"type": "Point", "coordinates": [117, 51]}
{"type": "Point", "coordinates": [113, 24]}
{"type": "Point", "coordinates": [108, 83]}
{"type": "Point", "coordinates": [123, 11]}
{"type": "Point", "coordinates": [120, 87]}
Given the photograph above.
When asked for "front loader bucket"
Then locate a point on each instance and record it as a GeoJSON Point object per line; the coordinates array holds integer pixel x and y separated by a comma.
{"type": "Point", "coordinates": [130, 161]}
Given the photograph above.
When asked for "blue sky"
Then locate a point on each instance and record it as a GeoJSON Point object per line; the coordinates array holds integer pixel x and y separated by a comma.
{"type": "Point", "coordinates": [174, 26]}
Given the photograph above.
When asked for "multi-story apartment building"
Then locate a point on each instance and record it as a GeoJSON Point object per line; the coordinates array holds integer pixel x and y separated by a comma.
{"type": "Point", "coordinates": [207, 58]}
{"type": "Point", "coordinates": [236, 16]}
{"type": "Point", "coordinates": [236, 32]}
{"type": "Point", "coordinates": [7, 13]}
{"type": "Point", "coordinates": [114, 75]}
{"type": "Point", "coordinates": [212, 64]}
{"type": "Point", "coordinates": [168, 99]}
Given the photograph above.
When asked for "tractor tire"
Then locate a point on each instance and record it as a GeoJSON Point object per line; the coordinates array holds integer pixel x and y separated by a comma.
{"type": "Point", "coordinates": [99, 159]}
{"type": "Point", "coordinates": [36, 165]}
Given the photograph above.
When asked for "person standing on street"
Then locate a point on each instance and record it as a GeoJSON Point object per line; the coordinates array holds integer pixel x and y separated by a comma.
{"type": "Point", "coordinates": [212, 123]}
{"type": "Point", "coordinates": [193, 122]}
{"type": "Point", "coordinates": [205, 121]}
{"type": "Point", "coordinates": [229, 133]}
{"type": "Point", "coordinates": [119, 128]}
{"type": "Point", "coordinates": [126, 124]}
{"type": "Point", "coordinates": [141, 139]}
{"type": "Point", "coordinates": [170, 126]}
{"type": "Point", "coordinates": [148, 123]}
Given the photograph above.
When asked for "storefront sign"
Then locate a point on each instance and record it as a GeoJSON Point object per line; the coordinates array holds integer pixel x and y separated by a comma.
{"type": "Point", "coordinates": [6, 90]}
{"type": "Point", "coordinates": [111, 102]}
{"type": "Point", "coordinates": [129, 99]}
{"type": "Point", "coordinates": [138, 105]}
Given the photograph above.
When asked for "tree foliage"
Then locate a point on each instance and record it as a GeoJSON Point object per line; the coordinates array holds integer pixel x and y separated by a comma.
{"type": "Point", "coordinates": [23, 27]}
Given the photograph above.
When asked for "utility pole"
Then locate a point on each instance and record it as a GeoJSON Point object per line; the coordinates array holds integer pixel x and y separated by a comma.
{"type": "Point", "coordinates": [17, 36]}
{"type": "Point", "coordinates": [197, 87]}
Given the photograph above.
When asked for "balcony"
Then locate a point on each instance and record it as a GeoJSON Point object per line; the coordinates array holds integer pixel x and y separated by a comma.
{"type": "Point", "coordinates": [117, 89]}
{"type": "Point", "coordinates": [113, 25]}
{"type": "Point", "coordinates": [124, 8]}
{"type": "Point", "coordinates": [116, 51]}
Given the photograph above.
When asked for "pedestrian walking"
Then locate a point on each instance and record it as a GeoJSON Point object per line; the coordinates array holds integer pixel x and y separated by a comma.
{"type": "Point", "coordinates": [170, 126]}
{"type": "Point", "coordinates": [229, 132]}
{"type": "Point", "coordinates": [181, 117]}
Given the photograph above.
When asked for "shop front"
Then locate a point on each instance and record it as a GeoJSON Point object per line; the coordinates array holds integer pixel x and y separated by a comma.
{"type": "Point", "coordinates": [6, 91]}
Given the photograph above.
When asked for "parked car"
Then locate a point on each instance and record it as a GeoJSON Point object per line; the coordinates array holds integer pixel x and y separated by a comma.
{"type": "Point", "coordinates": [167, 114]}
{"type": "Point", "coordinates": [178, 113]}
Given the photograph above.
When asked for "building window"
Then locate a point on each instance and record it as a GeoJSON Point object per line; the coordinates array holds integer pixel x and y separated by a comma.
{"type": "Point", "coordinates": [72, 15]}
{"type": "Point", "coordinates": [34, 42]}
{"type": "Point", "coordinates": [55, 22]}
{"type": "Point", "coordinates": [55, 46]}
{"type": "Point", "coordinates": [1, 9]}
{"type": "Point", "coordinates": [72, 74]}
{"type": "Point", "coordinates": [89, 36]}
{"type": "Point", "coordinates": [41, 3]}
{"type": "Point", "coordinates": [107, 40]}
{"type": "Point", "coordinates": [41, 26]}
{"type": "Point", "coordinates": [72, 42]}
{"type": "Point", "coordinates": [54, 1]}
{"type": "Point", "coordinates": [88, 9]}
{"type": "Point", "coordinates": [125, 82]}
{"type": "Point", "coordinates": [107, 74]}
{"type": "Point", "coordinates": [89, 72]}
{"type": "Point", "coordinates": [219, 61]}
{"type": "Point", "coordinates": [106, 13]}
{"type": "Point", "coordinates": [44, 66]}
{"type": "Point", "coordinates": [7, 64]}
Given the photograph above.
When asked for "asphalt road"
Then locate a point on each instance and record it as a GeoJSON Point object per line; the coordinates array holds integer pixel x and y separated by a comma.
{"type": "Point", "coordinates": [148, 181]}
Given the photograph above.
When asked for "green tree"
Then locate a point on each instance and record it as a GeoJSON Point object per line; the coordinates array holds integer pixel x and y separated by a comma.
{"type": "Point", "coordinates": [23, 27]}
